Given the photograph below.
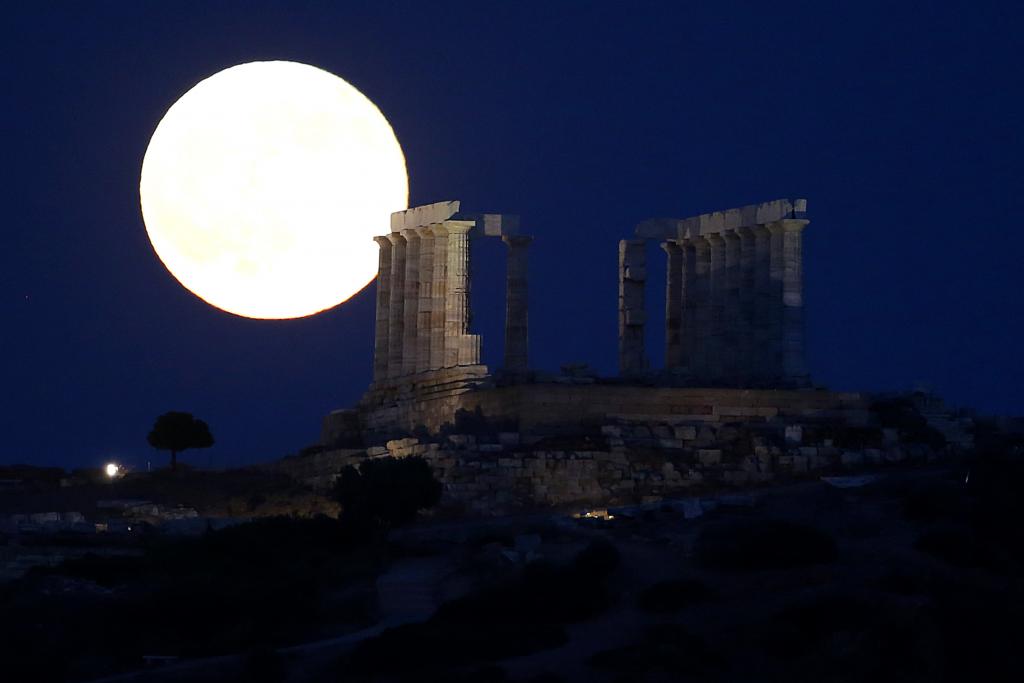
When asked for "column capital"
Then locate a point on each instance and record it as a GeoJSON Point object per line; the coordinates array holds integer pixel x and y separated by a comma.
{"type": "Point", "coordinates": [383, 240]}
{"type": "Point", "coordinates": [714, 238]}
{"type": "Point", "coordinates": [424, 231]}
{"type": "Point", "coordinates": [730, 235]}
{"type": "Point", "coordinates": [458, 227]}
{"type": "Point", "coordinates": [788, 225]}
{"type": "Point", "coordinates": [670, 246]}
{"type": "Point", "coordinates": [517, 240]}
{"type": "Point", "coordinates": [395, 238]}
{"type": "Point", "coordinates": [410, 234]}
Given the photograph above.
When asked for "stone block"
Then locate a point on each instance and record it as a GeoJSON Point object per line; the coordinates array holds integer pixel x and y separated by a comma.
{"type": "Point", "coordinates": [709, 456]}
{"type": "Point", "coordinates": [686, 433]}
{"type": "Point", "coordinates": [794, 434]}
{"type": "Point", "coordinates": [852, 458]}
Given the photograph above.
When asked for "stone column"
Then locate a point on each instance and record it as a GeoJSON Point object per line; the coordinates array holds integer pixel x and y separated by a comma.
{"type": "Point", "coordinates": [380, 339]}
{"type": "Point", "coordinates": [794, 370]}
{"type": "Point", "coordinates": [425, 309]}
{"type": "Point", "coordinates": [461, 348]}
{"type": "Point", "coordinates": [439, 289]}
{"type": "Point", "coordinates": [412, 301]}
{"type": "Point", "coordinates": [764, 372]}
{"type": "Point", "coordinates": [516, 304]}
{"type": "Point", "coordinates": [673, 305]}
{"type": "Point", "coordinates": [701, 306]}
{"type": "Point", "coordinates": [731, 334]}
{"type": "Point", "coordinates": [396, 312]}
{"type": "Point", "coordinates": [746, 348]}
{"type": "Point", "coordinates": [717, 352]}
{"type": "Point", "coordinates": [632, 315]}
{"type": "Point", "coordinates": [689, 338]}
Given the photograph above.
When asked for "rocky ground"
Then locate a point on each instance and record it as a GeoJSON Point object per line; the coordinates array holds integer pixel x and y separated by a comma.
{"type": "Point", "coordinates": [916, 576]}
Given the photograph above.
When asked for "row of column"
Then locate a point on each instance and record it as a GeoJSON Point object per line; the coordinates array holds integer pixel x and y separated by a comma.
{"type": "Point", "coordinates": [733, 306]}
{"type": "Point", "coordinates": [423, 302]}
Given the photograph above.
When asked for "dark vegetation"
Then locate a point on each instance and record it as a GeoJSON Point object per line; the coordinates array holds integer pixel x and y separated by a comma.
{"type": "Point", "coordinates": [669, 649]}
{"type": "Point", "coordinates": [673, 595]}
{"type": "Point", "coordinates": [249, 588]}
{"type": "Point", "coordinates": [386, 492]}
{"type": "Point", "coordinates": [525, 614]}
{"type": "Point", "coordinates": [269, 582]}
{"type": "Point", "coordinates": [756, 544]}
{"type": "Point", "coordinates": [902, 415]}
{"type": "Point", "coordinates": [176, 432]}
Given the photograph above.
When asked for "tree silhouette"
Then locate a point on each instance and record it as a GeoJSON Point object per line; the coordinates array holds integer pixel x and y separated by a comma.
{"type": "Point", "coordinates": [176, 432]}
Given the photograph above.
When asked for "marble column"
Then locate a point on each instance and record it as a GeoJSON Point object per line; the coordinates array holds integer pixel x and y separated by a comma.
{"type": "Point", "coordinates": [438, 293]}
{"type": "Point", "coordinates": [731, 332]}
{"type": "Point", "coordinates": [794, 370]}
{"type": "Point", "coordinates": [690, 335]}
{"type": "Point", "coordinates": [746, 348]}
{"type": "Point", "coordinates": [516, 304]}
{"type": "Point", "coordinates": [412, 301]}
{"type": "Point", "coordinates": [461, 348]}
{"type": "Point", "coordinates": [380, 340]}
{"type": "Point", "coordinates": [716, 337]}
{"type": "Point", "coordinates": [673, 305]}
{"type": "Point", "coordinates": [425, 309]}
{"type": "Point", "coordinates": [396, 312]}
{"type": "Point", "coordinates": [701, 306]}
{"type": "Point", "coordinates": [632, 315]}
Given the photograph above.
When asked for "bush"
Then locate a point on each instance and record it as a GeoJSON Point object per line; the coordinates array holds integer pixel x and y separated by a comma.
{"type": "Point", "coordinates": [516, 618]}
{"type": "Point", "coordinates": [934, 501]}
{"type": "Point", "coordinates": [599, 559]}
{"type": "Point", "coordinates": [744, 545]}
{"type": "Point", "coordinates": [670, 648]}
{"type": "Point", "coordinates": [386, 491]}
{"type": "Point", "coordinates": [900, 414]}
{"type": "Point", "coordinates": [955, 545]}
{"type": "Point", "coordinates": [672, 596]}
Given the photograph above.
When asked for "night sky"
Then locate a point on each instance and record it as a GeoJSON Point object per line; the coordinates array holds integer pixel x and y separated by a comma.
{"type": "Point", "coordinates": [900, 122]}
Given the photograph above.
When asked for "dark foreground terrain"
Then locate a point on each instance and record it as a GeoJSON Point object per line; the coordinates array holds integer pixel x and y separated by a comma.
{"type": "Point", "coordinates": [915, 576]}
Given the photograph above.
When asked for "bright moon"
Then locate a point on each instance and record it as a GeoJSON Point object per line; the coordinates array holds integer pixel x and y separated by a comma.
{"type": "Point", "coordinates": [263, 187]}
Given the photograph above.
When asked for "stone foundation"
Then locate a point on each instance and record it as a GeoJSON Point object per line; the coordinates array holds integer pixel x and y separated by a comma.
{"type": "Point", "coordinates": [430, 402]}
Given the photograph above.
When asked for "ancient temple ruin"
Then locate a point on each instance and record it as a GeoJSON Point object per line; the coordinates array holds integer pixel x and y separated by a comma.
{"type": "Point", "coordinates": [423, 290]}
{"type": "Point", "coordinates": [733, 326]}
{"type": "Point", "coordinates": [733, 296]}
{"type": "Point", "coordinates": [732, 405]}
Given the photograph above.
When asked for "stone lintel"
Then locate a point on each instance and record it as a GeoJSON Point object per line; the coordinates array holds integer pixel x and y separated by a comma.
{"type": "Point", "coordinates": [487, 224]}
{"type": "Point", "coordinates": [420, 216]}
{"type": "Point", "coordinates": [720, 221]}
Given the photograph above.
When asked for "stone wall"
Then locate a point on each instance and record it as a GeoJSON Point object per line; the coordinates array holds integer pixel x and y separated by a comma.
{"type": "Point", "coordinates": [431, 402]}
{"type": "Point", "coordinates": [639, 458]}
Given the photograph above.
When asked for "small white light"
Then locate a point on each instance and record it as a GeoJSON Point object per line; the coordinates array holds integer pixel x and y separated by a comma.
{"type": "Point", "coordinates": [111, 469]}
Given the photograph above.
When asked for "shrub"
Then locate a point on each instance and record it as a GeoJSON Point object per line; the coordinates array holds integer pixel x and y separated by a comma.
{"type": "Point", "coordinates": [672, 596]}
{"type": "Point", "coordinates": [599, 559]}
{"type": "Point", "coordinates": [955, 545]}
{"type": "Point", "coordinates": [387, 491]}
{"type": "Point", "coordinates": [763, 544]}
{"type": "Point", "coordinates": [666, 647]}
{"type": "Point", "coordinates": [900, 414]}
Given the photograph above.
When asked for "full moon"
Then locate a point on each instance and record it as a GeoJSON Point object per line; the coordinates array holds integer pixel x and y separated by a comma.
{"type": "Point", "coordinates": [263, 186]}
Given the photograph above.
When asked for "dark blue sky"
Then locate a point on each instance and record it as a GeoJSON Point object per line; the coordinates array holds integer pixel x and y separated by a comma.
{"type": "Point", "coordinates": [900, 122]}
